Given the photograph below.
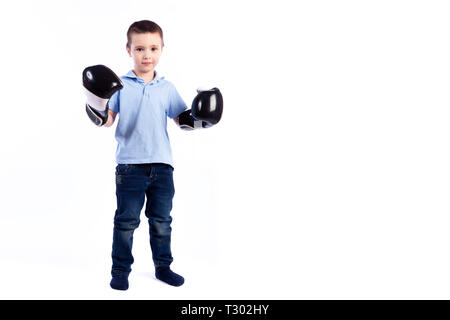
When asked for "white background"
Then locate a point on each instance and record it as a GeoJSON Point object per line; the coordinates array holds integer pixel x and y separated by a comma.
{"type": "Point", "coordinates": [327, 178]}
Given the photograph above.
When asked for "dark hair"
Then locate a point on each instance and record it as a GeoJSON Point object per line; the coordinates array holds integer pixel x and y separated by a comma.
{"type": "Point", "coordinates": [143, 26]}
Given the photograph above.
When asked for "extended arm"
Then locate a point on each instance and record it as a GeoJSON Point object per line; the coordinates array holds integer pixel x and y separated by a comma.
{"type": "Point", "coordinates": [111, 118]}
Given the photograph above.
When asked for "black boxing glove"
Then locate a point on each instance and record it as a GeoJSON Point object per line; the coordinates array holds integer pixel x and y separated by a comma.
{"type": "Point", "coordinates": [100, 83]}
{"type": "Point", "coordinates": [206, 110]}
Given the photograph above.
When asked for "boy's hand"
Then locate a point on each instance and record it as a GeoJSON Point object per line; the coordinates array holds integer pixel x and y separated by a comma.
{"type": "Point", "coordinates": [206, 110]}
{"type": "Point", "coordinates": [100, 83]}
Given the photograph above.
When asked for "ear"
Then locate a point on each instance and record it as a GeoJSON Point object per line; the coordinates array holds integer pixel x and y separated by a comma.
{"type": "Point", "coordinates": [128, 50]}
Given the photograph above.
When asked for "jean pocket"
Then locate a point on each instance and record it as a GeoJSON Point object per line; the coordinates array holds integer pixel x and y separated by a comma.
{"type": "Point", "coordinates": [122, 168]}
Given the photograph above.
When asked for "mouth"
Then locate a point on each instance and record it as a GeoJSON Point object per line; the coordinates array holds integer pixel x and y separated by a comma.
{"type": "Point", "coordinates": [147, 63]}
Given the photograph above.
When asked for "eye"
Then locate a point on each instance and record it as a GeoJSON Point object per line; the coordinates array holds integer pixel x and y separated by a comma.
{"type": "Point", "coordinates": [139, 49]}
{"type": "Point", "coordinates": [154, 49]}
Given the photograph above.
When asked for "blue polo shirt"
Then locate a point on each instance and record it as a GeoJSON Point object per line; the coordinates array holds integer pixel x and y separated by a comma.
{"type": "Point", "coordinates": [141, 131]}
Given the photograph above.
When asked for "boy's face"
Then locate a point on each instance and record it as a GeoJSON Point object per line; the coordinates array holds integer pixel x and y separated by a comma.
{"type": "Point", "coordinates": [145, 49]}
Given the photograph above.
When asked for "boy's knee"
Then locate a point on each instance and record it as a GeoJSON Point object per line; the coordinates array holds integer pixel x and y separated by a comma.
{"type": "Point", "coordinates": [161, 227]}
{"type": "Point", "coordinates": [126, 224]}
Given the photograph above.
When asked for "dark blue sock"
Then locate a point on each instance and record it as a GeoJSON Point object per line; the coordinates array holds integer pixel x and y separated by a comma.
{"type": "Point", "coordinates": [168, 276]}
{"type": "Point", "coordinates": [119, 283]}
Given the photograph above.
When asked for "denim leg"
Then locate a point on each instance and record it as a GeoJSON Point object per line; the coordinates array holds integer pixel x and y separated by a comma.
{"type": "Point", "coordinates": [159, 205]}
{"type": "Point", "coordinates": [130, 192]}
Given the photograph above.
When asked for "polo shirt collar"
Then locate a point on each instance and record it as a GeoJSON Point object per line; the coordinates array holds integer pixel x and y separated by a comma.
{"type": "Point", "coordinates": [156, 79]}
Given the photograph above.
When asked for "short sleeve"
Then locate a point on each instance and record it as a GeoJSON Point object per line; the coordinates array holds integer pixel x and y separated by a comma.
{"type": "Point", "coordinates": [113, 102]}
{"type": "Point", "coordinates": [176, 103]}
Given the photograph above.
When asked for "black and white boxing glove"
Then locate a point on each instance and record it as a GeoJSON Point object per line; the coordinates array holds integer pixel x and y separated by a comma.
{"type": "Point", "coordinates": [205, 112]}
{"type": "Point", "coordinates": [99, 83]}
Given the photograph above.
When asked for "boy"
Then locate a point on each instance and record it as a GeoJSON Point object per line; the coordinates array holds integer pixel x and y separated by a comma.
{"type": "Point", "coordinates": [145, 168]}
{"type": "Point", "coordinates": [144, 156]}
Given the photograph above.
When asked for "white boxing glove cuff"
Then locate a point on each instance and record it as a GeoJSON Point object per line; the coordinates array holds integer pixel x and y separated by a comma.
{"type": "Point", "coordinates": [95, 101]}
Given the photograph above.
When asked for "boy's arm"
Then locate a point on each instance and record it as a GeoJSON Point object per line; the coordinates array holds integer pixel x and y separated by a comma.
{"type": "Point", "coordinates": [111, 118]}
{"type": "Point", "coordinates": [176, 121]}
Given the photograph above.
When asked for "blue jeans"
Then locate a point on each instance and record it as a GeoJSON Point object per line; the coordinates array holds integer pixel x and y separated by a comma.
{"type": "Point", "coordinates": [134, 182]}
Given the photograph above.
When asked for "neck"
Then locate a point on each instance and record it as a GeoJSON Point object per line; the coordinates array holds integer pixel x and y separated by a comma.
{"type": "Point", "coordinates": [148, 77]}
